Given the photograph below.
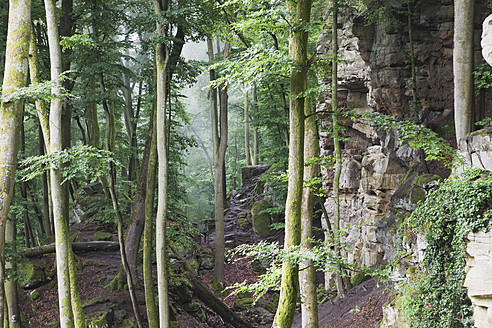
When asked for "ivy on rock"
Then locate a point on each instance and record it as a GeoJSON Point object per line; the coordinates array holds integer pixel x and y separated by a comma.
{"type": "Point", "coordinates": [435, 297]}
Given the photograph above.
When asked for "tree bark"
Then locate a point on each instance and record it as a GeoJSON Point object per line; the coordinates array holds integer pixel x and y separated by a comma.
{"type": "Point", "coordinates": [463, 67]}
{"type": "Point", "coordinates": [256, 138]}
{"type": "Point", "coordinates": [219, 138]}
{"type": "Point", "coordinates": [136, 228]}
{"type": "Point", "coordinates": [162, 60]}
{"type": "Point", "coordinates": [336, 142]}
{"type": "Point", "coordinates": [298, 76]}
{"type": "Point", "coordinates": [207, 297]}
{"type": "Point", "coordinates": [246, 129]}
{"type": "Point", "coordinates": [11, 284]}
{"type": "Point", "coordinates": [151, 305]}
{"type": "Point", "coordinates": [307, 276]}
{"type": "Point", "coordinates": [78, 247]}
{"type": "Point", "coordinates": [62, 240]}
{"type": "Point", "coordinates": [131, 127]}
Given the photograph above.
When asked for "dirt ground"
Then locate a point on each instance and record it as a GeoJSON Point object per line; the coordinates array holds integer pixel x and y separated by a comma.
{"type": "Point", "coordinates": [361, 308]}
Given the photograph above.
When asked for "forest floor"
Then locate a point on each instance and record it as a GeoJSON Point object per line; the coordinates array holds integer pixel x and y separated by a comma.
{"type": "Point", "coordinates": [361, 307]}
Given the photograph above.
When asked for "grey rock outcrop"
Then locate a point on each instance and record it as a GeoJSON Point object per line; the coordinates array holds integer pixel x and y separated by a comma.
{"type": "Point", "coordinates": [382, 179]}
{"type": "Point", "coordinates": [478, 278]}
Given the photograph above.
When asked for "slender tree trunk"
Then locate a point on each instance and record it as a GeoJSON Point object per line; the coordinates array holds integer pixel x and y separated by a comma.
{"type": "Point", "coordinates": [78, 310]}
{"type": "Point", "coordinates": [152, 314]}
{"type": "Point", "coordinates": [162, 60]}
{"type": "Point", "coordinates": [110, 143]}
{"type": "Point", "coordinates": [93, 131]}
{"type": "Point", "coordinates": [11, 284]}
{"type": "Point", "coordinates": [336, 141]}
{"type": "Point", "coordinates": [415, 104]}
{"type": "Point", "coordinates": [246, 129]}
{"type": "Point", "coordinates": [43, 115]}
{"type": "Point", "coordinates": [47, 209]}
{"type": "Point", "coordinates": [256, 140]}
{"type": "Point", "coordinates": [136, 228]}
{"type": "Point", "coordinates": [131, 127]}
{"type": "Point", "coordinates": [62, 239]}
{"type": "Point", "coordinates": [307, 276]}
{"type": "Point", "coordinates": [28, 233]}
{"type": "Point", "coordinates": [219, 137]}
{"type": "Point", "coordinates": [298, 76]}
{"type": "Point", "coordinates": [463, 67]}
{"type": "Point", "coordinates": [285, 105]}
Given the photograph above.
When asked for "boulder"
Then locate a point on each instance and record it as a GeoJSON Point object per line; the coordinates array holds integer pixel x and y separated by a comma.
{"type": "Point", "coordinates": [252, 171]}
{"type": "Point", "coordinates": [34, 275]}
{"type": "Point", "coordinates": [261, 219]}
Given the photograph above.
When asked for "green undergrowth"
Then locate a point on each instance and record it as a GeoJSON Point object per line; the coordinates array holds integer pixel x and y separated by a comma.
{"type": "Point", "coordinates": [434, 296]}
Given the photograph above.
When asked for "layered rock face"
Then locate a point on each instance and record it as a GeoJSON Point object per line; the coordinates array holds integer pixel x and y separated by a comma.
{"type": "Point", "coordinates": [478, 278]}
{"type": "Point", "coordinates": [381, 178]}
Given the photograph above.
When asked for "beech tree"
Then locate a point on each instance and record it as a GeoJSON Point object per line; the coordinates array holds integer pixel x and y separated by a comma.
{"type": "Point", "coordinates": [62, 240]}
{"type": "Point", "coordinates": [15, 77]}
{"type": "Point", "coordinates": [219, 139]}
{"type": "Point", "coordinates": [161, 62]}
{"type": "Point", "coordinates": [307, 276]}
{"type": "Point", "coordinates": [336, 144]}
{"type": "Point", "coordinates": [301, 13]}
{"type": "Point", "coordinates": [463, 67]}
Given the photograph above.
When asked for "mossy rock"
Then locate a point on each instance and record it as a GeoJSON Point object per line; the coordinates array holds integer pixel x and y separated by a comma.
{"type": "Point", "coordinates": [417, 195]}
{"type": "Point", "coordinates": [103, 236]}
{"type": "Point", "coordinates": [244, 294]}
{"type": "Point", "coordinates": [243, 303]}
{"type": "Point", "coordinates": [242, 215]}
{"type": "Point", "coordinates": [181, 294]}
{"type": "Point", "coordinates": [261, 219]}
{"type": "Point", "coordinates": [267, 305]}
{"type": "Point", "coordinates": [248, 173]}
{"type": "Point", "coordinates": [94, 301]}
{"type": "Point", "coordinates": [120, 316]}
{"type": "Point", "coordinates": [34, 275]}
{"type": "Point", "coordinates": [197, 311]}
{"type": "Point", "coordinates": [35, 295]}
{"type": "Point", "coordinates": [76, 237]}
{"type": "Point", "coordinates": [359, 278]}
{"type": "Point", "coordinates": [446, 128]}
{"type": "Point", "coordinates": [129, 323]}
{"type": "Point", "coordinates": [102, 319]}
{"type": "Point", "coordinates": [206, 261]}
{"type": "Point", "coordinates": [243, 224]}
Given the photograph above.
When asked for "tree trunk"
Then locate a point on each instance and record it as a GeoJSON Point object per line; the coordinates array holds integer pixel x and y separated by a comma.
{"type": "Point", "coordinates": [219, 138]}
{"type": "Point", "coordinates": [11, 284]}
{"type": "Point", "coordinates": [463, 67]}
{"type": "Point", "coordinates": [246, 129]}
{"type": "Point", "coordinates": [136, 228]}
{"type": "Point", "coordinates": [152, 314]}
{"type": "Point", "coordinates": [336, 142]}
{"type": "Point", "coordinates": [110, 143]}
{"type": "Point", "coordinates": [298, 76]}
{"type": "Point", "coordinates": [162, 60]}
{"type": "Point", "coordinates": [47, 209]}
{"type": "Point", "coordinates": [307, 276]}
{"type": "Point", "coordinates": [93, 131]}
{"type": "Point", "coordinates": [28, 233]}
{"type": "Point", "coordinates": [78, 247]}
{"type": "Point", "coordinates": [207, 297]}
{"type": "Point", "coordinates": [256, 140]}
{"type": "Point", "coordinates": [131, 127]}
{"type": "Point", "coordinates": [62, 239]}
